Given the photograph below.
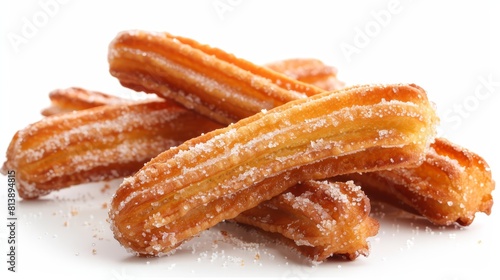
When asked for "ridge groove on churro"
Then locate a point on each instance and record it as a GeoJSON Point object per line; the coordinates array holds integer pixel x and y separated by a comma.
{"type": "Point", "coordinates": [230, 170]}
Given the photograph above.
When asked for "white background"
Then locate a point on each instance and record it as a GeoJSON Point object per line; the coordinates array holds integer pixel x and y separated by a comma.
{"type": "Point", "coordinates": [449, 48]}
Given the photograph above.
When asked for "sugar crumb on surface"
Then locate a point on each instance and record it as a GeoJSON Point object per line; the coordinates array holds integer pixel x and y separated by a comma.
{"type": "Point", "coordinates": [74, 212]}
{"type": "Point", "coordinates": [105, 188]}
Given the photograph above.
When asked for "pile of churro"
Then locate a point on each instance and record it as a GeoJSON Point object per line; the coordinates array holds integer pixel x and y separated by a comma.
{"type": "Point", "coordinates": [284, 147]}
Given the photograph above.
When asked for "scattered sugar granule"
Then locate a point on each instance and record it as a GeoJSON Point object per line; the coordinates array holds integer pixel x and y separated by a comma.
{"type": "Point", "coordinates": [257, 257]}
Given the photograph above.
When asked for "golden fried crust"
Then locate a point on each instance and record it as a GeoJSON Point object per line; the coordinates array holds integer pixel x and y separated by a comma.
{"type": "Point", "coordinates": [74, 99]}
{"type": "Point", "coordinates": [208, 80]}
{"type": "Point", "coordinates": [309, 70]}
{"type": "Point", "coordinates": [450, 186]}
{"type": "Point", "coordinates": [97, 144]}
{"type": "Point", "coordinates": [321, 219]}
{"type": "Point", "coordinates": [218, 175]}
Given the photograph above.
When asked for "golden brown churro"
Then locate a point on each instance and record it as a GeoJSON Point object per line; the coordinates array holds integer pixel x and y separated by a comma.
{"type": "Point", "coordinates": [216, 176]}
{"type": "Point", "coordinates": [208, 80]}
{"type": "Point", "coordinates": [96, 144]}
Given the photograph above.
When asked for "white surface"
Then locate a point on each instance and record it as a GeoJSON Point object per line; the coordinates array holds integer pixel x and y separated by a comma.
{"type": "Point", "coordinates": [448, 48]}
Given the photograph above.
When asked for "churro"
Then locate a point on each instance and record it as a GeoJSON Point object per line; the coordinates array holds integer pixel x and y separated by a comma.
{"type": "Point", "coordinates": [217, 176]}
{"type": "Point", "coordinates": [208, 80]}
{"type": "Point", "coordinates": [97, 144]}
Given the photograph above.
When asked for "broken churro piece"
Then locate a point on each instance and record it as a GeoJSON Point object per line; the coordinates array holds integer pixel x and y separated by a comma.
{"type": "Point", "coordinates": [450, 186]}
{"type": "Point", "coordinates": [320, 218]}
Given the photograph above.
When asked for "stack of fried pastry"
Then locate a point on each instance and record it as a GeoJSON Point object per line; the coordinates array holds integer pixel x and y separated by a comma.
{"type": "Point", "coordinates": [290, 170]}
